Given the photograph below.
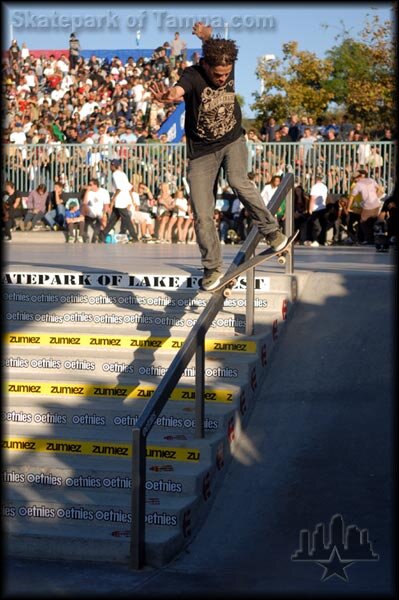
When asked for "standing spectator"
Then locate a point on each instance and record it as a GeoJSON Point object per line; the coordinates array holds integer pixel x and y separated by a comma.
{"type": "Point", "coordinates": [285, 135]}
{"type": "Point", "coordinates": [301, 201]}
{"type": "Point", "coordinates": [95, 208]}
{"type": "Point", "coordinates": [317, 224]}
{"type": "Point", "coordinates": [18, 137]}
{"type": "Point", "coordinates": [267, 194]}
{"type": "Point", "coordinates": [178, 48]}
{"type": "Point", "coordinates": [36, 205]}
{"type": "Point", "coordinates": [371, 205]}
{"type": "Point", "coordinates": [306, 145]}
{"type": "Point", "coordinates": [128, 136]}
{"type": "Point", "coordinates": [387, 137]}
{"type": "Point", "coordinates": [55, 209]}
{"type": "Point", "coordinates": [268, 130]}
{"type": "Point", "coordinates": [331, 136]}
{"type": "Point", "coordinates": [121, 202]}
{"type": "Point", "coordinates": [294, 130]}
{"type": "Point", "coordinates": [255, 148]}
{"type": "Point", "coordinates": [345, 128]}
{"type": "Point", "coordinates": [354, 209]}
{"type": "Point", "coordinates": [14, 51]}
{"type": "Point", "coordinates": [270, 189]}
{"type": "Point", "coordinates": [74, 48]}
{"type": "Point", "coordinates": [6, 217]}
{"type": "Point", "coordinates": [332, 126]}
{"type": "Point", "coordinates": [363, 151]}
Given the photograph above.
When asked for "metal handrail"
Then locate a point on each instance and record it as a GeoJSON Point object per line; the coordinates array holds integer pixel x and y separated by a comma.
{"type": "Point", "coordinates": [194, 344]}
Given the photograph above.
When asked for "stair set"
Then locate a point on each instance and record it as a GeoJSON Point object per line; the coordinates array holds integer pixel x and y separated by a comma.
{"type": "Point", "coordinates": [82, 355]}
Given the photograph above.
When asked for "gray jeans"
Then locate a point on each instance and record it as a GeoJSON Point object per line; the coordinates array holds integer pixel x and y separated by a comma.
{"type": "Point", "coordinates": [202, 174]}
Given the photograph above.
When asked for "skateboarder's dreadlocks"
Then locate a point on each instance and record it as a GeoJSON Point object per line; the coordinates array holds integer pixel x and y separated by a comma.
{"type": "Point", "coordinates": [219, 52]}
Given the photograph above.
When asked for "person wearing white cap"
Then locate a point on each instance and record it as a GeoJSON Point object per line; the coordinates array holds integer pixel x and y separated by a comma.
{"type": "Point", "coordinates": [121, 202]}
{"type": "Point", "coordinates": [317, 224]}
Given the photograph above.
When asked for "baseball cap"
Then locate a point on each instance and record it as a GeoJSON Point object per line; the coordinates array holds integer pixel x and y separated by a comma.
{"type": "Point", "coordinates": [115, 162]}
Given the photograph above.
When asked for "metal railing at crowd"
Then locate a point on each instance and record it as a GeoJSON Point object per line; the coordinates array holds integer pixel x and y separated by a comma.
{"type": "Point", "coordinates": [28, 165]}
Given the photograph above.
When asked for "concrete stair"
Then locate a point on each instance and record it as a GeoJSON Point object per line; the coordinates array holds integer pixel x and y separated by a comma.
{"type": "Point", "coordinates": [80, 367]}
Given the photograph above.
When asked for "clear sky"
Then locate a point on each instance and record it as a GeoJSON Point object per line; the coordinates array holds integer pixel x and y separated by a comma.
{"type": "Point", "coordinates": [258, 28]}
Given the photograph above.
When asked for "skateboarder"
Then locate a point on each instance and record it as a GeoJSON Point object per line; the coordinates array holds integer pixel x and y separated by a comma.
{"type": "Point", "coordinates": [215, 139]}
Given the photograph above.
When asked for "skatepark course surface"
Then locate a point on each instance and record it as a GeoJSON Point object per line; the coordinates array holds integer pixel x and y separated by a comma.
{"type": "Point", "coordinates": [319, 443]}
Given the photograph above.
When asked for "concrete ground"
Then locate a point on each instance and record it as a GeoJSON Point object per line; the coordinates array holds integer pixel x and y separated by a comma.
{"type": "Point", "coordinates": [319, 443]}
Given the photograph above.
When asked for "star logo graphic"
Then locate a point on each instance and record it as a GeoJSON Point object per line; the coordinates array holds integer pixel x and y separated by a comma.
{"type": "Point", "coordinates": [335, 566]}
{"type": "Point", "coordinates": [334, 547]}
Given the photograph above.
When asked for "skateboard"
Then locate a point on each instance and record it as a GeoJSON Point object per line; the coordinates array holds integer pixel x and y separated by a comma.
{"type": "Point", "coordinates": [228, 281]}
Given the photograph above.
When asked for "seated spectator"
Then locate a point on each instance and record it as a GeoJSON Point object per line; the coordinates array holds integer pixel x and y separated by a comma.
{"type": "Point", "coordinates": [15, 209]}
{"type": "Point", "coordinates": [95, 209]}
{"type": "Point", "coordinates": [55, 207]}
{"type": "Point", "coordinates": [145, 214]}
{"type": "Point", "coordinates": [182, 212]}
{"type": "Point", "coordinates": [36, 207]}
{"type": "Point", "coordinates": [390, 212]}
{"type": "Point", "coordinates": [9, 199]}
{"type": "Point", "coordinates": [227, 219]}
{"type": "Point", "coordinates": [75, 221]}
{"type": "Point", "coordinates": [165, 211]}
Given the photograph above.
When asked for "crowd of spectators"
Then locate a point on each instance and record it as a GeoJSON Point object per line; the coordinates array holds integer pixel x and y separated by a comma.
{"type": "Point", "coordinates": [73, 100]}
{"type": "Point", "coordinates": [65, 119]}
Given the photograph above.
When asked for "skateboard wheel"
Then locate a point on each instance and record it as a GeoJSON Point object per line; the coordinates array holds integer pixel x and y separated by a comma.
{"type": "Point", "coordinates": [281, 260]}
{"type": "Point", "coordinates": [227, 292]}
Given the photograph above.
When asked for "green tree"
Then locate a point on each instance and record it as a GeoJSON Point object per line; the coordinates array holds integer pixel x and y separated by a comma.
{"type": "Point", "coordinates": [356, 74]}
{"type": "Point", "coordinates": [363, 75]}
{"type": "Point", "coordinates": [295, 84]}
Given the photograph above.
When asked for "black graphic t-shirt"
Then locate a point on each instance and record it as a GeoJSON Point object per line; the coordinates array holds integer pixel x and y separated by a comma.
{"type": "Point", "coordinates": [213, 115]}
